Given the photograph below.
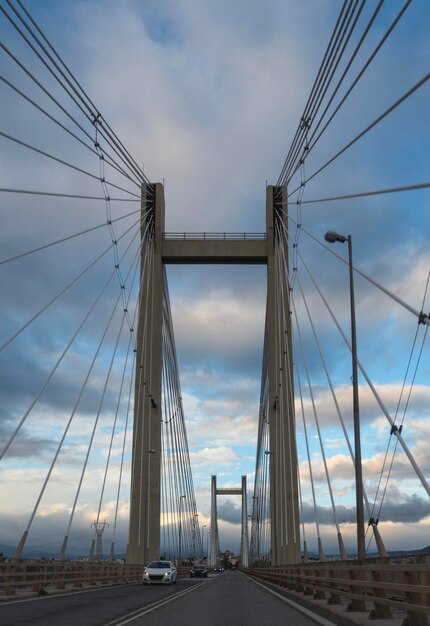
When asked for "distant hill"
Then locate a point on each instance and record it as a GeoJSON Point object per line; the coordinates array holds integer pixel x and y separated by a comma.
{"type": "Point", "coordinates": [392, 553]}
{"type": "Point", "coordinates": [409, 552]}
{"type": "Point", "coordinates": [28, 553]}
{"type": "Point", "coordinates": [74, 554]}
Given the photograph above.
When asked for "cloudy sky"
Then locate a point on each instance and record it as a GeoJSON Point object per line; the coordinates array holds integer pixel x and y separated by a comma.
{"type": "Point", "coordinates": [207, 97]}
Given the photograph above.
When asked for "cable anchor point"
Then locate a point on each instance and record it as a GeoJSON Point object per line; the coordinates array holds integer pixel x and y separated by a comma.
{"type": "Point", "coordinates": [396, 430]}
{"type": "Point", "coordinates": [305, 122]}
{"type": "Point", "coordinates": [424, 318]}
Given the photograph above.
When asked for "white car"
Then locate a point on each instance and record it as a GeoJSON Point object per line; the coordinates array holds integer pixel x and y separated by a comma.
{"type": "Point", "coordinates": [159, 572]}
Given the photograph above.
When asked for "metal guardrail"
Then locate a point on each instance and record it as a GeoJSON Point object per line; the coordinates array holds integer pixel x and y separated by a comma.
{"type": "Point", "coordinates": [216, 236]}
{"type": "Point", "coordinates": [36, 576]}
{"type": "Point", "coordinates": [44, 576]}
{"type": "Point", "coordinates": [383, 586]}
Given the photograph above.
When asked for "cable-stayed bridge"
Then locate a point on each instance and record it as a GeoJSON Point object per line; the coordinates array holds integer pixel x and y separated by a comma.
{"type": "Point", "coordinates": [91, 388]}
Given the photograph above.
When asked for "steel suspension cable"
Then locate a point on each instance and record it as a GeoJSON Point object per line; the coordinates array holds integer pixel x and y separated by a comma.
{"type": "Point", "coordinates": [311, 144]}
{"type": "Point", "coordinates": [54, 369]}
{"type": "Point", "coordinates": [379, 119]}
{"type": "Point", "coordinates": [262, 487]}
{"type": "Point", "coordinates": [63, 291]}
{"type": "Point", "coordinates": [369, 382]}
{"type": "Point", "coordinates": [114, 428]}
{"type": "Point", "coordinates": [305, 545]}
{"type": "Point", "coordinates": [284, 234]}
{"type": "Point", "coordinates": [372, 523]}
{"type": "Point", "coordinates": [347, 31]}
{"type": "Point", "coordinates": [39, 84]}
{"type": "Point", "coordinates": [67, 130]}
{"type": "Point", "coordinates": [403, 416]}
{"type": "Point", "coordinates": [92, 117]}
{"type": "Point", "coordinates": [259, 489]}
{"type": "Point", "coordinates": [96, 421]}
{"type": "Point", "coordinates": [92, 105]}
{"type": "Point", "coordinates": [321, 72]}
{"type": "Point", "coordinates": [400, 427]}
{"type": "Point", "coordinates": [69, 422]}
{"type": "Point", "coordinates": [378, 515]}
{"type": "Point", "coordinates": [350, 62]}
{"type": "Point", "coordinates": [123, 454]}
{"type": "Point", "coordinates": [110, 225]}
{"type": "Point", "coordinates": [62, 162]}
{"type": "Point", "coordinates": [59, 360]}
{"type": "Point", "coordinates": [329, 380]}
{"type": "Point", "coordinates": [362, 194]}
{"type": "Point", "coordinates": [56, 102]}
{"type": "Point", "coordinates": [422, 318]}
{"type": "Point", "coordinates": [294, 166]}
{"type": "Point", "coordinates": [358, 77]}
{"type": "Point", "coordinates": [333, 393]}
{"type": "Point", "coordinates": [63, 239]}
{"type": "Point", "coordinates": [169, 466]}
{"type": "Point", "coordinates": [315, 414]}
{"type": "Point", "coordinates": [130, 343]}
{"type": "Point", "coordinates": [173, 409]}
{"type": "Point", "coordinates": [65, 195]}
{"type": "Point", "coordinates": [311, 476]}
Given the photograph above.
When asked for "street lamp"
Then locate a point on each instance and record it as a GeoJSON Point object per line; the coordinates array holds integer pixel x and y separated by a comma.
{"type": "Point", "coordinates": [202, 541]}
{"type": "Point", "coordinates": [180, 528]}
{"type": "Point", "coordinates": [333, 237]}
{"type": "Point", "coordinates": [193, 546]}
{"type": "Point", "coordinates": [207, 546]}
{"type": "Point", "coordinates": [257, 520]}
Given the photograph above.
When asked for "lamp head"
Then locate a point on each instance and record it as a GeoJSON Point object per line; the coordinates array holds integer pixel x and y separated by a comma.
{"type": "Point", "coordinates": [332, 237]}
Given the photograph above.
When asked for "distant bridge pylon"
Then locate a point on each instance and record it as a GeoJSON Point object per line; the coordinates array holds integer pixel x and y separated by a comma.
{"type": "Point", "coordinates": [244, 543]}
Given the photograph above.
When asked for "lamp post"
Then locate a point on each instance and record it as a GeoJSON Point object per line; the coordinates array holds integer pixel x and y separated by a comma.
{"type": "Point", "coordinates": [202, 541]}
{"type": "Point", "coordinates": [333, 237]}
{"type": "Point", "coordinates": [180, 529]}
{"type": "Point", "coordinates": [207, 546]}
{"type": "Point", "coordinates": [257, 520]}
{"type": "Point", "coordinates": [193, 546]}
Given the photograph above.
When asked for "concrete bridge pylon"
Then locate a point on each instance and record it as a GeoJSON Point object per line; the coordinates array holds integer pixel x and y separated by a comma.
{"type": "Point", "coordinates": [157, 251]}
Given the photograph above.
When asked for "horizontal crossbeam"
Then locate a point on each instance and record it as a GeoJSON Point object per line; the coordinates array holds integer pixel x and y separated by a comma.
{"type": "Point", "coordinates": [214, 251]}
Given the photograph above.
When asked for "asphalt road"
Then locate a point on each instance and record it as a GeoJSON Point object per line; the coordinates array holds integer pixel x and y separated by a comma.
{"type": "Point", "coordinates": [220, 599]}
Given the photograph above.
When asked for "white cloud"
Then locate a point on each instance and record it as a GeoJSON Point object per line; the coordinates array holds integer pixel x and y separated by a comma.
{"type": "Point", "coordinates": [215, 456]}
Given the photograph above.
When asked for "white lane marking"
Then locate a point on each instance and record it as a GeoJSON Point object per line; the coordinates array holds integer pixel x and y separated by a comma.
{"type": "Point", "coordinates": [317, 618]}
{"type": "Point", "coordinates": [139, 613]}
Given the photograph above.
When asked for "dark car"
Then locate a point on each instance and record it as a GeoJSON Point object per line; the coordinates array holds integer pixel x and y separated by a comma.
{"type": "Point", "coordinates": [198, 570]}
